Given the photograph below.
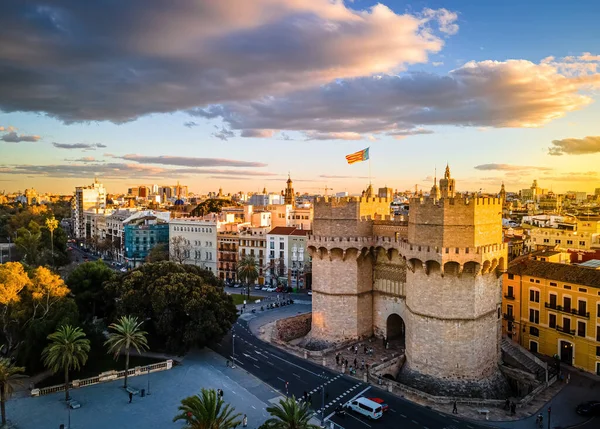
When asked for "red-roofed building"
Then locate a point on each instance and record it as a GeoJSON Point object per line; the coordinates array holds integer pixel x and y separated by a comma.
{"type": "Point", "coordinates": [287, 257]}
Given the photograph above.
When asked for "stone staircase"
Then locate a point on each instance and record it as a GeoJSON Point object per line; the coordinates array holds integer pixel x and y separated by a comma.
{"type": "Point", "coordinates": [526, 359]}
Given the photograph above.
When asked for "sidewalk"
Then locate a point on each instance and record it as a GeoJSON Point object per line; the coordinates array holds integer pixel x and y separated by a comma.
{"type": "Point", "coordinates": [106, 405]}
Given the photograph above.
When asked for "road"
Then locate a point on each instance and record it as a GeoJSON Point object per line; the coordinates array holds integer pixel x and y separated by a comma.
{"type": "Point", "coordinates": [253, 292]}
{"type": "Point", "coordinates": [291, 375]}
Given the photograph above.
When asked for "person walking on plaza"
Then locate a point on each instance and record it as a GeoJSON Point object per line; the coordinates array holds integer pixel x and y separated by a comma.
{"type": "Point", "coordinates": [337, 359]}
{"type": "Point", "coordinates": [130, 397]}
{"type": "Point", "coordinates": [454, 409]}
{"type": "Point", "coordinates": [513, 408]}
{"type": "Point", "coordinates": [355, 363]}
{"type": "Point", "coordinates": [245, 421]}
{"type": "Point", "coordinates": [362, 365]}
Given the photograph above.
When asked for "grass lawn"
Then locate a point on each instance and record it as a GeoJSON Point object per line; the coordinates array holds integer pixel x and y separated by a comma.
{"type": "Point", "coordinates": [239, 299]}
{"type": "Point", "coordinates": [95, 367]}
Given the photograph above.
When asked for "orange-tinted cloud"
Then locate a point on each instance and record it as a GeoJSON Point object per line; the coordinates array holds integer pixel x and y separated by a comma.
{"type": "Point", "coordinates": [573, 146]}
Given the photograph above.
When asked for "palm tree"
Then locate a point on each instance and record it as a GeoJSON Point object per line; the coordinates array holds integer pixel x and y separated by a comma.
{"type": "Point", "coordinates": [8, 375]}
{"type": "Point", "coordinates": [127, 333]}
{"type": "Point", "coordinates": [67, 350]}
{"type": "Point", "coordinates": [289, 414]}
{"type": "Point", "coordinates": [207, 411]}
{"type": "Point", "coordinates": [247, 271]}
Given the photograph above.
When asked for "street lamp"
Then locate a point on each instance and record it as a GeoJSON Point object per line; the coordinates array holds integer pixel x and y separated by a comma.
{"type": "Point", "coordinates": [148, 390]}
{"type": "Point", "coordinates": [233, 351]}
{"type": "Point", "coordinates": [323, 404]}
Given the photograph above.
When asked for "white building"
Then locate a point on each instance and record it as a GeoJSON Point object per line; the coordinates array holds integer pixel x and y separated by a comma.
{"type": "Point", "coordinates": [201, 238]}
{"type": "Point", "coordinates": [86, 198]}
{"type": "Point", "coordinates": [114, 231]}
{"type": "Point", "coordinates": [287, 256]}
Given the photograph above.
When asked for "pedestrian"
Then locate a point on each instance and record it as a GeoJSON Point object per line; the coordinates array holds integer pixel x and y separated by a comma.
{"type": "Point", "coordinates": [513, 408]}
{"type": "Point", "coordinates": [337, 359]}
{"type": "Point", "coordinates": [383, 339]}
{"type": "Point", "coordinates": [346, 363]}
{"type": "Point", "coordinates": [227, 363]}
{"type": "Point", "coordinates": [362, 365]}
{"type": "Point", "coordinates": [507, 404]}
{"type": "Point", "coordinates": [568, 377]}
{"type": "Point", "coordinates": [365, 349]}
{"type": "Point", "coordinates": [355, 350]}
{"type": "Point", "coordinates": [367, 366]}
{"type": "Point", "coordinates": [454, 409]}
{"type": "Point", "coordinates": [130, 397]}
{"type": "Point", "coordinates": [355, 362]}
{"type": "Point", "coordinates": [379, 380]}
{"type": "Point", "coordinates": [245, 421]}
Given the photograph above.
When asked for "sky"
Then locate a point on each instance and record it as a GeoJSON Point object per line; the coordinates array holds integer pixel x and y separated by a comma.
{"type": "Point", "coordinates": [237, 94]}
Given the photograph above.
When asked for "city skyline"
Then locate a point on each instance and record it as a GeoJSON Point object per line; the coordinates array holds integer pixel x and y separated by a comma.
{"type": "Point", "coordinates": [494, 90]}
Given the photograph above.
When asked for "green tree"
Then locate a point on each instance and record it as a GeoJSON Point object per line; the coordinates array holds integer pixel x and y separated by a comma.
{"type": "Point", "coordinates": [247, 271]}
{"type": "Point", "coordinates": [186, 304]}
{"type": "Point", "coordinates": [127, 333]}
{"type": "Point", "coordinates": [9, 374]}
{"type": "Point", "coordinates": [290, 414]}
{"type": "Point", "coordinates": [158, 253]}
{"type": "Point", "coordinates": [68, 349]}
{"type": "Point", "coordinates": [207, 411]}
{"type": "Point", "coordinates": [28, 241]}
{"type": "Point", "coordinates": [87, 285]}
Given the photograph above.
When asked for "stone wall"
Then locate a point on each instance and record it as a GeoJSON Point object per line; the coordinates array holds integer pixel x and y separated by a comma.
{"type": "Point", "coordinates": [294, 327]}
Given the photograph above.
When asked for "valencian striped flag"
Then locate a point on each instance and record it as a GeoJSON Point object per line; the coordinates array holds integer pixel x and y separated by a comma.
{"type": "Point", "coordinates": [361, 155]}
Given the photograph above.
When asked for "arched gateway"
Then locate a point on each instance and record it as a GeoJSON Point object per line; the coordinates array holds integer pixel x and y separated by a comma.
{"type": "Point", "coordinates": [395, 328]}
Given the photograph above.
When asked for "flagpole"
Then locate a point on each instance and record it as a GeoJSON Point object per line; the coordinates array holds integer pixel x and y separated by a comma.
{"type": "Point", "coordinates": [369, 166]}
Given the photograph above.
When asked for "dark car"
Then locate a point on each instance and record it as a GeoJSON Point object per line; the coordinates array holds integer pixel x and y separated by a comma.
{"type": "Point", "coordinates": [590, 408]}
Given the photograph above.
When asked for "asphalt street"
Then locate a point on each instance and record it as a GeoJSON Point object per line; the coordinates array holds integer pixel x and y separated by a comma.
{"type": "Point", "coordinates": [291, 375]}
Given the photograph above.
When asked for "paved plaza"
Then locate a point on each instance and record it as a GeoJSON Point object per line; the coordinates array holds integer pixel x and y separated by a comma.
{"type": "Point", "coordinates": [106, 405]}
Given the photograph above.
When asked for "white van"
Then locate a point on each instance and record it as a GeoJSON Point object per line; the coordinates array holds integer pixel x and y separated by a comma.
{"type": "Point", "coordinates": [366, 407]}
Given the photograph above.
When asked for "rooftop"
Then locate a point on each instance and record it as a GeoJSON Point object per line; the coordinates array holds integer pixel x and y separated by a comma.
{"type": "Point", "coordinates": [573, 274]}
{"type": "Point", "coordinates": [592, 263]}
{"type": "Point", "coordinates": [289, 230]}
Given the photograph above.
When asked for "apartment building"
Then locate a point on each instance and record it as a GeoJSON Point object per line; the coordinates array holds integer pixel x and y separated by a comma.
{"type": "Point", "coordinates": [144, 230]}
{"type": "Point", "coordinates": [200, 246]}
{"type": "Point", "coordinates": [227, 251]}
{"type": "Point", "coordinates": [86, 198]}
{"type": "Point", "coordinates": [554, 309]}
{"type": "Point", "coordinates": [287, 256]}
{"type": "Point", "coordinates": [253, 242]}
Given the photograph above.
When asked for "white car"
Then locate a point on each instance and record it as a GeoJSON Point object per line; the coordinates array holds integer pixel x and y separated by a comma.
{"type": "Point", "coordinates": [236, 285]}
{"type": "Point", "coordinates": [265, 287]}
{"type": "Point", "coordinates": [271, 289]}
{"type": "Point", "coordinates": [257, 287]}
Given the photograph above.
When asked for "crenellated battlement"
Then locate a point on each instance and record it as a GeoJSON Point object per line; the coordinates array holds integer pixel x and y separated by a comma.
{"type": "Point", "coordinates": [339, 201]}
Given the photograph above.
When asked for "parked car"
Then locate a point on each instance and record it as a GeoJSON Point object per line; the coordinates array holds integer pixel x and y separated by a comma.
{"type": "Point", "coordinates": [279, 289]}
{"type": "Point", "coordinates": [265, 288]}
{"type": "Point", "coordinates": [310, 292]}
{"type": "Point", "coordinates": [271, 289]}
{"type": "Point", "coordinates": [236, 285]}
{"type": "Point", "coordinates": [257, 287]}
{"type": "Point", "coordinates": [589, 408]}
{"type": "Point", "coordinates": [384, 406]}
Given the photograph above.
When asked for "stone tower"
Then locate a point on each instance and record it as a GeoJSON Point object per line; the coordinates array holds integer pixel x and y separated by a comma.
{"type": "Point", "coordinates": [435, 191]}
{"type": "Point", "coordinates": [432, 282]}
{"type": "Point", "coordinates": [502, 194]}
{"type": "Point", "coordinates": [288, 196]}
{"type": "Point", "coordinates": [447, 189]}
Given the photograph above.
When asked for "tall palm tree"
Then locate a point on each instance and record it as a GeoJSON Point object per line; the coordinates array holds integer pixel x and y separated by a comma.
{"type": "Point", "coordinates": [8, 375]}
{"type": "Point", "coordinates": [289, 414]}
{"type": "Point", "coordinates": [247, 271]}
{"type": "Point", "coordinates": [207, 411]}
{"type": "Point", "coordinates": [68, 349]}
{"type": "Point", "coordinates": [127, 333]}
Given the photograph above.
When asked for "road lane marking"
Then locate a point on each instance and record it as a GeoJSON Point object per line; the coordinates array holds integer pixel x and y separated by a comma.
{"type": "Point", "coordinates": [415, 422]}
{"type": "Point", "coordinates": [402, 415]}
{"type": "Point", "coordinates": [297, 366]}
{"type": "Point", "coordinates": [257, 366]}
{"type": "Point", "coordinates": [250, 357]}
{"type": "Point", "coordinates": [279, 378]}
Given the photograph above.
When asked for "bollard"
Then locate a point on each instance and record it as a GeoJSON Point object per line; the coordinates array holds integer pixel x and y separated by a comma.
{"type": "Point", "coordinates": [305, 354]}
{"type": "Point", "coordinates": [324, 362]}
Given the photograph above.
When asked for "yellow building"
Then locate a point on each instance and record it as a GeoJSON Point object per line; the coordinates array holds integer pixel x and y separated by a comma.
{"type": "Point", "coordinates": [554, 309]}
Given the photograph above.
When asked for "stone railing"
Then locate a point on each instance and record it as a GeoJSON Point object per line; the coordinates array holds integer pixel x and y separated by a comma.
{"type": "Point", "coordinates": [104, 377]}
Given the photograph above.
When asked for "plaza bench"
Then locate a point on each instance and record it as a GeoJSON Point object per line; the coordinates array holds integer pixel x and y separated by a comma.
{"type": "Point", "coordinates": [484, 411]}
{"type": "Point", "coordinates": [132, 390]}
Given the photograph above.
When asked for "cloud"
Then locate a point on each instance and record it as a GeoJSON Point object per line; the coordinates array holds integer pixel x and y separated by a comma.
{"type": "Point", "coordinates": [400, 134]}
{"type": "Point", "coordinates": [510, 167]}
{"type": "Point", "coordinates": [284, 136]}
{"type": "Point", "coordinates": [85, 146]}
{"type": "Point", "coordinates": [573, 146]}
{"type": "Point", "coordinates": [333, 136]}
{"type": "Point", "coordinates": [258, 133]}
{"type": "Point", "coordinates": [437, 63]}
{"type": "Point", "coordinates": [575, 176]}
{"type": "Point", "coordinates": [84, 61]}
{"type": "Point", "coordinates": [190, 161]}
{"type": "Point", "coordinates": [85, 159]}
{"type": "Point", "coordinates": [514, 93]}
{"type": "Point", "coordinates": [190, 124]}
{"type": "Point", "coordinates": [223, 133]}
{"type": "Point", "coordinates": [587, 56]}
{"type": "Point", "coordinates": [120, 170]}
{"type": "Point", "coordinates": [13, 137]}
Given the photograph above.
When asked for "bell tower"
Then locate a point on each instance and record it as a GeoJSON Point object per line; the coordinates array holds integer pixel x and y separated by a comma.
{"type": "Point", "coordinates": [435, 191]}
{"type": "Point", "coordinates": [447, 188]}
{"type": "Point", "coordinates": [288, 196]}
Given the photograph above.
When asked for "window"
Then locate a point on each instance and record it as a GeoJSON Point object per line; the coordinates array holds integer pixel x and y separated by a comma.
{"type": "Point", "coordinates": [281, 246]}
{"type": "Point", "coordinates": [552, 284]}
{"type": "Point", "coordinates": [272, 245]}
{"type": "Point", "coordinates": [566, 324]}
{"type": "Point", "coordinates": [534, 316]}
{"type": "Point", "coordinates": [511, 276]}
{"type": "Point", "coordinates": [582, 243]}
{"type": "Point", "coordinates": [510, 292]}
{"type": "Point", "coordinates": [534, 331]}
{"type": "Point", "coordinates": [597, 350]}
{"type": "Point", "coordinates": [546, 240]}
{"type": "Point", "coordinates": [569, 241]}
{"type": "Point", "coordinates": [581, 329]}
{"type": "Point", "coordinates": [567, 287]}
{"type": "Point", "coordinates": [598, 333]}
{"type": "Point", "coordinates": [509, 310]}
{"type": "Point", "coordinates": [598, 310]}
{"type": "Point", "coordinates": [597, 368]}
{"type": "Point", "coordinates": [557, 241]}
{"type": "Point", "coordinates": [552, 300]}
{"type": "Point", "coordinates": [582, 307]}
{"type": "Point", "coordinates": [582, 290]}
{"type": "Point", "coordinates": [567, 303]}
{"type": "Point", "coordinates": [534, 295]}
{"type": "Point", "coordinates": [552, 320]}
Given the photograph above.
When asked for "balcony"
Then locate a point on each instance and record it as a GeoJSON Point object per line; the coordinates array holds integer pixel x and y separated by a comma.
{"type": "Point", "coordinates": [572, 311]}
{"type": "Point", "coordinates": [509, 316]}
{"type": "Point", "coordinates": [565, 331]}
{"type": "Point", "coordinates": [509, 297]}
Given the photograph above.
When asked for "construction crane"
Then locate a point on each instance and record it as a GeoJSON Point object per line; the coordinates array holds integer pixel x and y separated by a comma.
{"type": "Point", "coordinates": [327, 189]}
